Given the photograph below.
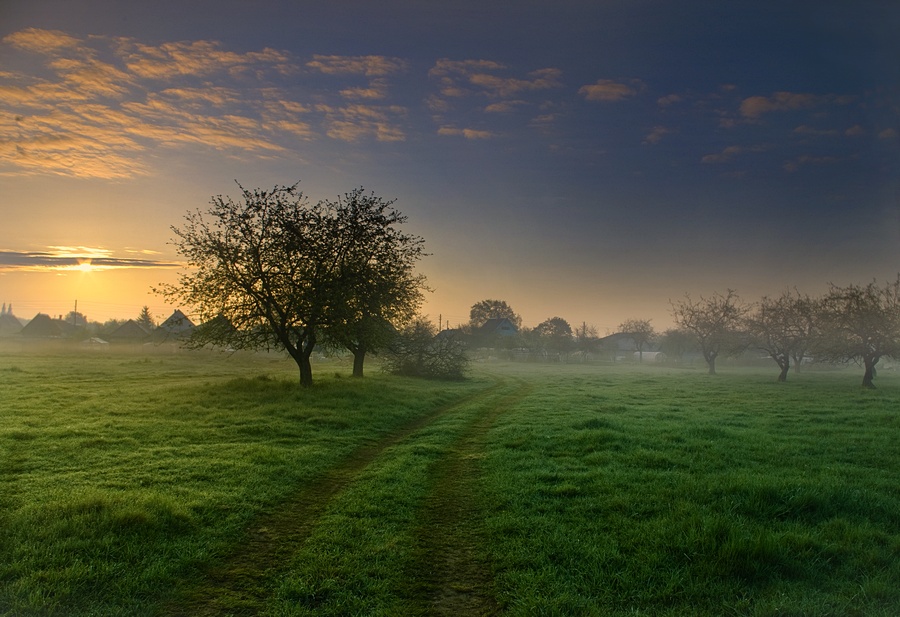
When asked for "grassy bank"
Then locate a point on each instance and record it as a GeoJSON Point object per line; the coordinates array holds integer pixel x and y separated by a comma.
{"type": "Point", "coordinates": [127, 478]}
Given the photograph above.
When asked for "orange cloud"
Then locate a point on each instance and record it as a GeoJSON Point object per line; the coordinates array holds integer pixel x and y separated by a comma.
{"type": "Point", "coordinates": [755, 106]}
{"type": "Point", "coordinates": [467, 133]}
{"type": "Point", "coordinates": [607, 90]}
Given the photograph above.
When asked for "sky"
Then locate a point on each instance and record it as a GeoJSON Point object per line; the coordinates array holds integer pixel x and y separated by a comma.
{"type": "Point", "coordinates": [592, 160]}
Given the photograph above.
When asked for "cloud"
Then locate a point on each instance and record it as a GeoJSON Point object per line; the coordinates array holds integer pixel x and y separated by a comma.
{"type": "Point", "coordinates": [755, 106]}
{"type": "Point", "coordinates": [368, 66]}
{"type": "Point", "coordinates": [810, 131]}
{"type": "Point", "coordinates": [656, 135]}
{"type": "Point", "coordinates": [671, 99]}
{"type": "Point", "coordinates": [62, 258]}
{"type": "Point", "coordinates": [724, 156]}
{"type": "Point", "coordinates": [467, 133]}
{"type": "Point", "coordinates": [887, 134]}
{"type": "Point", "coordinates": [795, 164]}
{"type": "Point", "coordinates": [607, 90]}
{"type": "Point", "coordinates": [101, 104]}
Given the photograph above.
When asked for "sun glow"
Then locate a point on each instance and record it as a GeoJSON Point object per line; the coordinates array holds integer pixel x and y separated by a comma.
{"type": "Point", "coordinates": [84, 265]}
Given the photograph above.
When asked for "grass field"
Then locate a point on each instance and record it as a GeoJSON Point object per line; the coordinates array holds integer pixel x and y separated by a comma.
{"type": "Point", "coordinates": [154, 482]}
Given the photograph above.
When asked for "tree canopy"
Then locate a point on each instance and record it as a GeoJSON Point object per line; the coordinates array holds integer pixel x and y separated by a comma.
{"type": "Point", "coordinates": [273, 271]}
{"type": "Point", "coordinates": [860, 323]}
{"type": "Point", "coordinates": [493, 309]}
{"type": "Point", "coordinates": [716, 322]}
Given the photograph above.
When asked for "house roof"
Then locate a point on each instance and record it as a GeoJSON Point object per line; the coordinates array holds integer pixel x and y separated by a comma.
{"type": "Point", "coordinates": [42, 326]}
{"type": "Point", "coordinates": [10, 324]}
{"type": "Point", "coordinates": [130, 330]}
{"type": "Point", "coordinates": [177, 322]}
{"type": "Point", "coordinates": [498, 325]}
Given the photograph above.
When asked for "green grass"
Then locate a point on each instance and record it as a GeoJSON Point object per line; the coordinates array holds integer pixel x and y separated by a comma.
{"type": "Point", "coordinates": [126, 478]}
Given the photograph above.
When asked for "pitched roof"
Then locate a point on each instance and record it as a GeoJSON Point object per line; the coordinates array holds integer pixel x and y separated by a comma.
{"type": "Point", "coordinates": [41, 326]}
{"type": "Point", "coordinates": [130, 330]}
{"type": "Point", "coordinates": [9, 324]}
{"type": "Point", "coordinates": [177, 322]}
{"type": "Point", "coordinates": [498, 325]}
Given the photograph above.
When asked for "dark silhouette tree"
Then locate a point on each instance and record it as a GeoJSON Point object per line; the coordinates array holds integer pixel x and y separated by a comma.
{"type": "Point", "coordinates": [419, 350]}
{"type": "Point", "coordinates": [716, 322]}
{"type": "Point", "coordinates": [862, 324]}
{"type": "Point", "coordinates": [379, 290]}
{"type": "Point", "coordinates": [492, 309]}
{"type": "Point", "coordinates": [641, 332]}
{"type": "Point", "coordinates": [273, 271]}
{"type": "Point", "coordinates": [145, 319]}
{"type": "Point", "coordinates": [555, 334]}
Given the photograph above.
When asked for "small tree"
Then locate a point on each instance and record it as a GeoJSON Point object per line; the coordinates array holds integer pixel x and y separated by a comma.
{"type": "Point", "coordinates": [675, 343]}
{"type": "Point", "coordinates": [783, 327]}
{"type": "Point", "coordinates": [641, 332]}
{"type": "Point", "coordinates": [419, 351]}
{"type": "Point", "coordinates": [145, 319]}
{"type": "Point", "coordinates": [862, 324]}
{"type": "Point", "coordinates": [717, 324]}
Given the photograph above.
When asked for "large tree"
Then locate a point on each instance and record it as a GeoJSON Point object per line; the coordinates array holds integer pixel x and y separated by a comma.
{"type": "Point", "coordinates": [379, 290]}
{"type": "Point", "coordinates": [783, 327]}
{"type": "Point", "coordinates": [716, 322]}
{"type": "Point", "coordinates": [492, 309]}
{"type": "Point", "coordinates": [860, 323]}
{"type": "Point", "coordinates": [640, 331]}
{"type": "Point", "coordinates": [273, 271]}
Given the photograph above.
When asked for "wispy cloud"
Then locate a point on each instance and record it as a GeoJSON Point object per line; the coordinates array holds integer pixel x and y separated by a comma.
{"type": "Point", "coordinates": [100, 104]}
{"type": "Point", "coordinates": [608, 91]}
{"type": "Point", "coordinates": [467, 133]}
{"type": "Point", "coordinates": [755, 106]}
{"type": "Point", "coordinates": [66, 258]}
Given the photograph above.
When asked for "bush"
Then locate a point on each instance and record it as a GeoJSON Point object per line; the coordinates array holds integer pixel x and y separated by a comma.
{"type": "Point", "coordinates": [420, 351]}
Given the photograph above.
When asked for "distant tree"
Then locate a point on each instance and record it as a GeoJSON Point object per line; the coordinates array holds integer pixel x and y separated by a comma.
{"type": "Point", "coordinates": [378, 290]}
{"type": "Point", "coordinates": [676, 342]}
{"type": "Point", "coordinates": [419, 351]}
{"type": "Point", "coordinates": [145, 319]}
{"type": "Point", "coordinates": [587, 339]}
{"type": "Point", "coordinates": [556, 335]}
{"type": "Point", "coordinates": [75, 318]}
{"type": "Point", "coordinates": [492, 309]}
{"type": "Point", "coordinates": [716, 323]}
{"type": "Point", "coordinates": [862, 324]}
{"type": "Point", "coordinates": [783, 327]}
{"type": "Point", "coordinates": [641, 332]}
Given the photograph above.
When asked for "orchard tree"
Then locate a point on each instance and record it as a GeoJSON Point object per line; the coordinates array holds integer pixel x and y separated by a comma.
{"type": "Point", "coordinates": [716, 323]}
{"type": "Point", "coordinates": [492, 309]}
{"type": "Point", "coordinates": [861, 324]}
{"type": "Point", "coordinates": [418, 350]}
{"type": "Point", "coordinates": [640, 331]}
{"type": "Point", "coordinates": [270, 271]}
{"type": "Point", "coordinates": [676, 342]}
{"type": "Point", "coordinates": [379, 290]}
{"type": "Point", "coordinates": [783, 327]}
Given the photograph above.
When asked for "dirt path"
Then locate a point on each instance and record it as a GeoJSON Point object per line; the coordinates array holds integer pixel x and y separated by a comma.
{"type": "Point", "coordinates": [241, 584]}
{"type": "Point", "coordinates": [457, 581]}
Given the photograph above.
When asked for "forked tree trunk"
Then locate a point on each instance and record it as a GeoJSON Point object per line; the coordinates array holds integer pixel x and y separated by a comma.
{"type": "Point", "coordinates": [785, 367]}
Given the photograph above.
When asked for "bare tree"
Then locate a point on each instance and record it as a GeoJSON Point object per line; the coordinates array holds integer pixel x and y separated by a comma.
{"type": "Point", "coordinates": [783, 327]}
{"type": "Point", "coordinates": [641, 332]}
{"type": "Point", "coordinates": [862, 324]}
{"type": "Point", "coordinates": [716, 322]}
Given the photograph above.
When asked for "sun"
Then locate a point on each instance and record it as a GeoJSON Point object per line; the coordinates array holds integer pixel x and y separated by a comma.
{"type": "Point", "coordinates": [84, 265]}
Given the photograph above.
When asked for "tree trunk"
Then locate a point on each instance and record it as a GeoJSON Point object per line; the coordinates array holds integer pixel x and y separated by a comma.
{"type": "Point", "coordinates": [711, 362]}
{"type": "Point", "coordinates": [359, 356]}
{"type": "Point", "coordinates": [302, 355]}
{"type": "Point", "coordinates": [870, 373]}
{"type": "Point", "coordinates": [785, 367]}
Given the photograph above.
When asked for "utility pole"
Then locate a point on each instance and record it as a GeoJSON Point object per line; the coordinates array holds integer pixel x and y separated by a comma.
{"type": "Point", "coordinates": [75, 315]}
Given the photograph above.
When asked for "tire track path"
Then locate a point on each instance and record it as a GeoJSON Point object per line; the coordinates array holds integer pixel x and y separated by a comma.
{"type": "Point", "coordinates": [457, 580]}
{"type": "Point", "coordinates": [241, 584]}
